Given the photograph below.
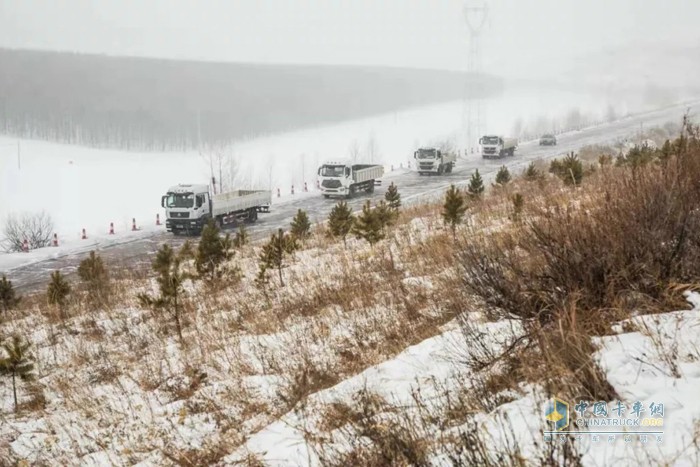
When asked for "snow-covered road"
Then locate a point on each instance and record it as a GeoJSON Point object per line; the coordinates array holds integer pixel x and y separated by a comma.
{"type": "Point", "coordinates": [136, 252]}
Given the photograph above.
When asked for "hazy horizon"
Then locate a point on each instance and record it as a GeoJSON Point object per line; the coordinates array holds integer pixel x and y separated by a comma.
{"type": "Point", "coordinates": [520, 38]}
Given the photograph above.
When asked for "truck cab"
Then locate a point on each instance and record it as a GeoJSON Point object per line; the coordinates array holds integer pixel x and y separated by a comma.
{"type": "Point", "coordinates": [188, 207]}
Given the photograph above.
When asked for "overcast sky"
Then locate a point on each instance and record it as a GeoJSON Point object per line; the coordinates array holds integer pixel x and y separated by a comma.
{"type": "Point", "coordinates": [415, 33]}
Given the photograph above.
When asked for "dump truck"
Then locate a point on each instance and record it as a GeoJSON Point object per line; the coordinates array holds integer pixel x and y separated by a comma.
{"type": "Point", "coordinates": [346, 179]}
{"type": "Point", "coordinates": [495, 147]}
{"type": "Point", "coordinates": [188, 207]}
{"type": "Point", "coordinates": [434, 161]}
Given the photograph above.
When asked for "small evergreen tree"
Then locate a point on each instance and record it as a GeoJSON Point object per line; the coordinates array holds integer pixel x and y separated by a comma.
{"type": "Point", "coordinates": [503, 176]}
{"type": "Point", "coordinates": [340, 221]}
{"type": "Point", "coordinates": [518, 203]}
{"type": "Point", "coordinates": [169, 266]}
{"type": "Point", "coordinates": [368, 225]}
{"type": "Point", "coordinates": [8, 297]}
{"type": "Point", "coordinates": [454, 209]}
{"type": "Point", "coordinates": [301, 227]}
{"type": "Point", "coordinates": [58, 291]}
{"type": "Point", "coordinates": [569, 170]}
{"type": "Point", "coordinates": [241, 238]}
{"type": "Point", "coordinates": [392, 197]}
{"type": "Point", "coordinates": [18, 363]}
{"type": "Point", "coordinates": [531, 173]}
{"type": "Point", "coordinates": [276, 250]}
{"type": "Point", "coordinates": [476, 185]}
{"type": "Point", "coordinates": [387, 216]}
{"type": "Point", "coordinates": [605, 160]}
{"type": "Point", "coordinates": [93, 273]}
{"type": "Point", "coordinates": [213, 253]}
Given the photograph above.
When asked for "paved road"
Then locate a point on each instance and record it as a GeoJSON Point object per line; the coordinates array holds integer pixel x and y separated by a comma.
{"type": "Point", "coordinates": [137, 255]}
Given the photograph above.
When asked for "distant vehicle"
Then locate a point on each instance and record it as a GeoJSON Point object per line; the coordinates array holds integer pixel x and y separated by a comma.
{"type": "Point", "coordinates": [346, 179]}
{"type": "Point", "coordinates": [495, 147]}
{"type": "Point", "coordinates": [548, 140]}
{"type": "Point", "coordinates": [189, 207]}
{"type": "Point", "coordinates": [434, 161]}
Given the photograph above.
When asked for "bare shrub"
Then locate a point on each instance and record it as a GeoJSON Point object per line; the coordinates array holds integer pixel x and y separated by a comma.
{"type": "Point", "coordinates": [36, 228]}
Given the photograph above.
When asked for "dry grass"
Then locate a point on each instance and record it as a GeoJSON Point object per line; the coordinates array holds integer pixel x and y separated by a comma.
{"type": "Point", "coordinates": [579, 260]}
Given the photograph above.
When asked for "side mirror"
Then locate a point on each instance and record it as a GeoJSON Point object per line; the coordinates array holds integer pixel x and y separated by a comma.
{"type": "Point", "coordinates": [162, 201]}
{"type": "Point", "coordinates": [319, 171]}
{"type": "Point", "coordinates": [415, 154]}
{"type": "Point", "coordinates": [481, 140]}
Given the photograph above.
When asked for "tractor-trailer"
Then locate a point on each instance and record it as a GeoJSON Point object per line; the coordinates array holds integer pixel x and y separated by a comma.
{"type": "Point", "coordinates": [495, 147]}
{"type": "Point", "coordinates": [189, 207]}
{"type": "Point", "coordinates": [434, 161]}
{"type": "Point", "coordinates": [344, 179]}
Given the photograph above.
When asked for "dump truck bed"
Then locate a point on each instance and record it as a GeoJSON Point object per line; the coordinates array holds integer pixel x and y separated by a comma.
{"type": "Point", "coordinates": [239, 200]}
{"type": "Point", "coordinates": [364, 172]}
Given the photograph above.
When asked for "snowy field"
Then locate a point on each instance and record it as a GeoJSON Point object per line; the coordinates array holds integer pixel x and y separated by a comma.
{"type": "Point", "coordinates": [85, 188]}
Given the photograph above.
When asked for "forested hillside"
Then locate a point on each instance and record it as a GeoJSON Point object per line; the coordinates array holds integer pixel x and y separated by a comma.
{"type": "Point", "coordinates": [137, 103]}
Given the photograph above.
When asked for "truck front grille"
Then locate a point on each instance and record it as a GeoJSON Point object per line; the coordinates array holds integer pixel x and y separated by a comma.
{"type": "Point", "coordinates": [426, 165]}
{"type": "Point", "coordinates": [331, 184]}
{"type": "Point", "coordinates": [180, 215]}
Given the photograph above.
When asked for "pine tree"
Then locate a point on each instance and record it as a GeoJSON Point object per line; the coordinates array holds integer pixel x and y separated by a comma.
{"type": "Point", "coordinates": [241, 238]}
{"type": "Point", "coordinates": [503, 176]}
{"type": "Point", "coordinates": [572, 170]}
{"type": "Point", "coordinates": [19, 362]}
{"type": "Point", "coordinates": [58, 291]}
{"type": "Point", "coordinates": [171, 277]}
{"type": "Point", "coordinates": [340, 221]}
{"type": "Point", "coordinates": [8, 297]}
{"type": "Point", "coordinates": [213, 253]}
{"type": "Point", "coordinates": [301, 227]}
{"type": "Point", "coordinates": [368, 226]}
{"type": "Point", "coordinates": [93, 273]}
{"type": "Point", "coordinates": [531, 173]}
{"type": "Point", "coordinates": [476, 185]}
{"type": "Point", "coordinates": [387, 216]}
{"type": "Point", "coordinates": [454, 209]}
{"type": "Point", "coordinates": [518, 203]}
{"type": "Point", "coordinates": [605, 160]}
{"type": "Point", "coordinates": [274, 252]}
{"type": "Point", "coordinates": [392, 197]}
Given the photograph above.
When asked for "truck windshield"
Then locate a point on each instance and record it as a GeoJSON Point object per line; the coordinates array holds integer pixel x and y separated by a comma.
{"type": "Point", "coordinates": [180, 200]}
{"type": "Point", "coordinates": [490, 140]}
{"type": "Point", "coordinates": [426, 154]}
{"type": "Point", "coordinates": [332, 170]}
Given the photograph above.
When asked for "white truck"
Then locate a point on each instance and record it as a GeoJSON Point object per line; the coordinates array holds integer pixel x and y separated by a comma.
{"type": "Point", "coordinates": [189, 207]}
{"type": "Point", "coordinates": [346, 179]}
{"type": "Point", "coordinates": [434, 161]}
{"type": "Point", "coordinates": [495, 147]}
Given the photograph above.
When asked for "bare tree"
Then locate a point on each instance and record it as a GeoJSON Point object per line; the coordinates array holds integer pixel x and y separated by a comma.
{"type": "Point", "coordinates": [372, 148]}
{"type": "Point", "coordinates": [354, 150]}
{"type": "Point", "coordinates": [36, 228]}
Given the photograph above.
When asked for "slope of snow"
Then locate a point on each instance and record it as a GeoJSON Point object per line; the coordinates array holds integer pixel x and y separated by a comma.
{"type": "Point", "coordinates": [636, 364]}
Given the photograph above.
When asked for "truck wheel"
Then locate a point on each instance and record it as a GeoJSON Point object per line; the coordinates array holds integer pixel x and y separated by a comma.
{"type": "Point", "coordinates": [252, 215]}
{"type": "Point", "coordinates": [370, 188]}
{"type": "Point", "coordinates": [326, 196]}
{"type": "Point", "coordinates": [449, 168]}
{"type": "Point", "coordinates": [441, 169]}
{"type": "Point", "coordinates": [351, 192]}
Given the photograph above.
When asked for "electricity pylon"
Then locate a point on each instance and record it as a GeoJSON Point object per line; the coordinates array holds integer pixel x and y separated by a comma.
{"type": "Point", "coordinates": [475, 15]}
